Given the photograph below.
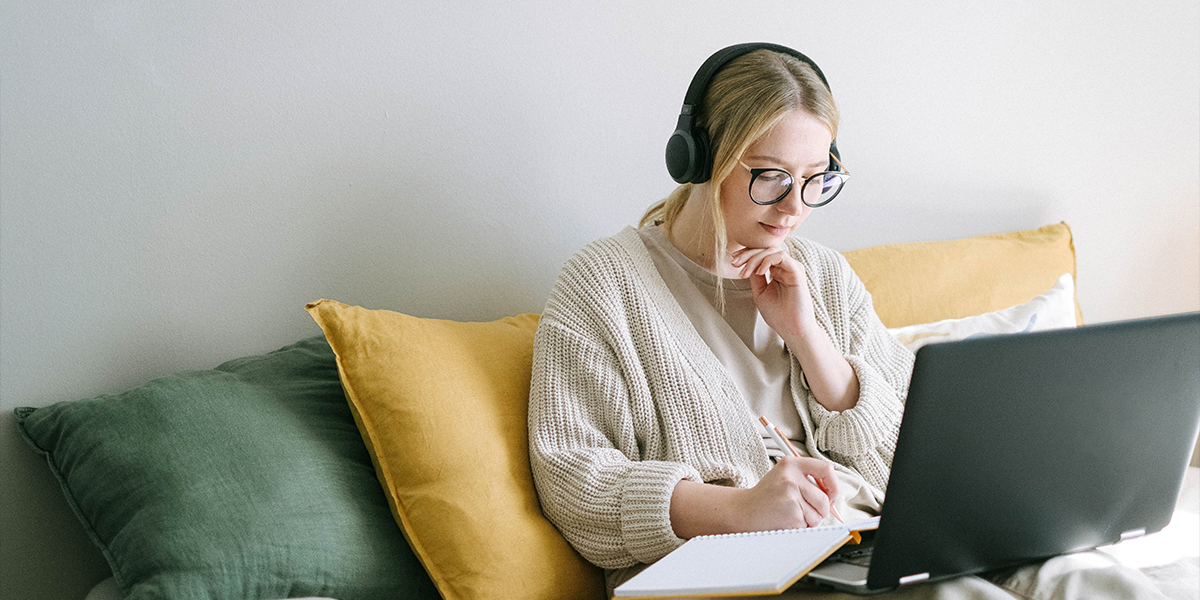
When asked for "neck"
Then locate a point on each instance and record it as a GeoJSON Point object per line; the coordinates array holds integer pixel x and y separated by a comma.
{"type": "Point", "coordinates": [692, 233]}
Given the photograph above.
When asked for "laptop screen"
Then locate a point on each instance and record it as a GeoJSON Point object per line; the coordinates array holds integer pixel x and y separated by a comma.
{"type": "Point", "coordinates": [1019, 447]}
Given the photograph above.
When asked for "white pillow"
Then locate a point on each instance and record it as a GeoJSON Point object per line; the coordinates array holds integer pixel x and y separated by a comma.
{"type": "Point", "coordinates": [1053, 310]}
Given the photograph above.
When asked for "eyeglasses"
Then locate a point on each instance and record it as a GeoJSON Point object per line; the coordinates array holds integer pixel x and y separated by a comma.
{"type": "Point", "coordinates": [816, 191]}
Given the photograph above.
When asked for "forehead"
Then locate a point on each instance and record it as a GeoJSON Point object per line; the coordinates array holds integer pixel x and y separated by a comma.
{"type": "Point", "coordinates": [799, 139]}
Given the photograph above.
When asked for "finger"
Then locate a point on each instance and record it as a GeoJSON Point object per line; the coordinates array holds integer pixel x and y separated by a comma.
{"type": "Point", "coordinates": [825, 477]}
{"type": "Point", "coordinates": [814, 512]}
{"type": "Point", "coordinates": [767, 262]}
{"type": "Point", "coordinates": [815, 498]}
{"type": "Point", "coordinates": [808, 512]}
{"type": "Point", "coordinates": [770, 271]}
{"type": "Point", "coordinates": [761, 264]}
{"type": "Point", "coordinates": [758, 285]}
{"type": "Point", "coordinates": [811, 517]}
{"type": "Point", "coordinates": [741, 255]}
{"type": "Point", "coordinates": [785, 269]}
{"type": "Point", "coordinates": [831, 487]}
{"type": "Point", "coordinates": [752, 265]}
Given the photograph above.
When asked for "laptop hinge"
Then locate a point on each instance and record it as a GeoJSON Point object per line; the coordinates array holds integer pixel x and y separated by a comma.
{"type": "Point", "coordinates": [914, 578]}
{"type": "Point", "coordinates": [1133, 533]}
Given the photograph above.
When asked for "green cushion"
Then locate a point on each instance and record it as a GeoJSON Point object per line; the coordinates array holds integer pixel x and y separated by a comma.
{"type": "Point", "coordinates": [249, 481]}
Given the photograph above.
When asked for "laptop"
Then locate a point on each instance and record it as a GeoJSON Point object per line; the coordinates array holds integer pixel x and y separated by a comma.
{"type": "Point", "coordinates": [1020, 447]}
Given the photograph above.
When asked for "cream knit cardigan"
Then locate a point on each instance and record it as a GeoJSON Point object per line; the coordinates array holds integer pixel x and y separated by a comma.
{"type": "Point", "coordinates": [627, 399]}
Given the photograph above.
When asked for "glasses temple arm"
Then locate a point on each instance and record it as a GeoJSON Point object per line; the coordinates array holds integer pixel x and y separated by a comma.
{"type": "Point", "coordinates": [839, 163]}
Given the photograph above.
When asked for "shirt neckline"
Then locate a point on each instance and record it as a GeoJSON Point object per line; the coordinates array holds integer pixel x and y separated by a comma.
{"type": "Point", "coordinates": [698, 273]}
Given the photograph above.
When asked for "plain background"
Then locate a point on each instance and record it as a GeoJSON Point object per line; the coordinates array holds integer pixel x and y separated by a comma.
{"type": "Point", "coordinates": [177, 179]}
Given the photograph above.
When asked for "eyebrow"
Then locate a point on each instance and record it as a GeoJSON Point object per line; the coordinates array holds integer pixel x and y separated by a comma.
{"type": "Point", "coordinates": [767, 157]}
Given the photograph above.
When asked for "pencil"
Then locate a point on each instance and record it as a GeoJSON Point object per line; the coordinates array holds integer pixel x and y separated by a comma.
{"type": "Point", "coordinates": [787, 446]}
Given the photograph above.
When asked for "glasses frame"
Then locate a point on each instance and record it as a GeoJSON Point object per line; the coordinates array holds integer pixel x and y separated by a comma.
{"type": "Point", "coordinates": [754, 174]}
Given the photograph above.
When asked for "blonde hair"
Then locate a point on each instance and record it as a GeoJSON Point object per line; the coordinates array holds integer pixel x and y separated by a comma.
{"type": "Point", "coordinates": [745, 99]}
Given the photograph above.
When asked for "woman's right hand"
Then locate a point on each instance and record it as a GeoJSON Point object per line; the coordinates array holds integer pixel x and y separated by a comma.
{"type": "Point", "coordinates": [785, 498]}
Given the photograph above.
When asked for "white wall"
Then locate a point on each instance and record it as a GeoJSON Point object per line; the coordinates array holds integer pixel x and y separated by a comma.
{"type": "Point", "coordinates": [177, 179]}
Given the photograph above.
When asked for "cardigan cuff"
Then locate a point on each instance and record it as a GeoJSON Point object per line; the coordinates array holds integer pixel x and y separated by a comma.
{"type": "Point", "coordinates": [873, 422]}
{"type": "Point", "coordinates": [646, 508]}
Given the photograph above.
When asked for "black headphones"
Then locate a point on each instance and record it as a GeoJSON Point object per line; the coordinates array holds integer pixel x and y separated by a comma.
{"type": "Point", "coordinates": [689, 151]}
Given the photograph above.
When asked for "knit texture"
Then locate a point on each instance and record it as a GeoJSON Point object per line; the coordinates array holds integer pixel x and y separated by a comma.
{"type": "Point", "coordinates": [627, 399]}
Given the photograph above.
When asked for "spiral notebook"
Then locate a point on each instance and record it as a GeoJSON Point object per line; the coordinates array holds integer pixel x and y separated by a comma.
{"type": "Point", "coordinates": [757, 563]}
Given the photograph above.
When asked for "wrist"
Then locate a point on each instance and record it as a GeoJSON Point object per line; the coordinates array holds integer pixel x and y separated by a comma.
{"type": "Point", "coordinates": [705, 509]}
{"type": "Point", "coordinates": [805, 337]}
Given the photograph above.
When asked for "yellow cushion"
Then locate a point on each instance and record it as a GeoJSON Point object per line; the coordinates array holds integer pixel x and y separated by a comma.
{"type": "Point", "coordinates": [922, 282]}
{"type": "Point", "coordinates": [442, 407]}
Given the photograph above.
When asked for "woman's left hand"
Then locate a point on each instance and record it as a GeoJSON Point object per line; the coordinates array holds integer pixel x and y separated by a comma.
{"type": "Point", "coordinates": [786, 304]}
{"type": "Point", "coordinates": [780, 286]}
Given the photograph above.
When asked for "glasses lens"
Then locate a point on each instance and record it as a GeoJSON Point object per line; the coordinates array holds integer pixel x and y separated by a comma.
{"type": "Point", "coordinates": [770, 186]}
{"type": "Point", "coordinates": [822, 188]}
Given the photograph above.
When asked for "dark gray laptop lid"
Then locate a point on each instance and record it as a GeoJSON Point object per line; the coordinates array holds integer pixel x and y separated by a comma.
{"type": "Point", "coordinates": [1014, 448]}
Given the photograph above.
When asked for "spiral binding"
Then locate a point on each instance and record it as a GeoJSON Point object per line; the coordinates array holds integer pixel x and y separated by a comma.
{"type": "Point", "coordinates": [773, 532]}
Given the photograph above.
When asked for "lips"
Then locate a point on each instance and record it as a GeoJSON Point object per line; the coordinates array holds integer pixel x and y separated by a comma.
{"type": "Point", "coordinates": [775, 229]}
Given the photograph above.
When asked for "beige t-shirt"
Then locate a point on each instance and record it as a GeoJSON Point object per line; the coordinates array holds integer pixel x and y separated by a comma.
{"type": "Point", "coordinates": [754, 354]}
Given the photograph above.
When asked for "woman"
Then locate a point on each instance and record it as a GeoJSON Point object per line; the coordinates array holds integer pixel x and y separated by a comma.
{"type": "Point", "coordinates": [660, 347]}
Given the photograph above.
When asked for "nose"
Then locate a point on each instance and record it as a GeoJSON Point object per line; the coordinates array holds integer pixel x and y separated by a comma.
{"type": "Point", "coordinates": [791, 203]}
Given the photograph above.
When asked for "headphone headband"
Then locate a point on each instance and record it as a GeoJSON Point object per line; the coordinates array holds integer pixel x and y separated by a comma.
{"type": "Point", "coordinates": [689, 153]}
{"type": "Point", "coordinates": [695, 92]}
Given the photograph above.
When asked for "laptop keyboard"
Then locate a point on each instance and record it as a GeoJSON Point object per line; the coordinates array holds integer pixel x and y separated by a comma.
{"type": "Point", "coordinates": [860, 557]}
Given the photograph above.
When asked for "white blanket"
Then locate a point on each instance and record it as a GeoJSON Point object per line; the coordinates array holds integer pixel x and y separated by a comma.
{"type": "Point", "coordinates": [1165, 564]}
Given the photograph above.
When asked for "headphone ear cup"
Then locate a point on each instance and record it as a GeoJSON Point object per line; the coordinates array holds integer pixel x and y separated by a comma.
{"type": "Point", "coordinates": [703, 159]}
{"type": "Point", "coordinates": [681, 156]}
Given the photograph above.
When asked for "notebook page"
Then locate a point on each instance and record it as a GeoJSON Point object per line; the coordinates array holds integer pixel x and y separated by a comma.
{"type": "Point", "coordinates": [743, 563]}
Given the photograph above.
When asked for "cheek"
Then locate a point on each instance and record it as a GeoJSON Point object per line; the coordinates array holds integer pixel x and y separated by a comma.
{"type": "Point", "coordinates": [733, 201]}
{"type": "Point", "coordinates": [735, 190]}
{"type": "Point", "coordinates": [740, 213]}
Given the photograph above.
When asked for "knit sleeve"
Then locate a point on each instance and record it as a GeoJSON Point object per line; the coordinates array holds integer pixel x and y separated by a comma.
{"type": "Point", "coordinates": [863, 437]}
{"type": "Point", "coordinates": [613, 507]}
